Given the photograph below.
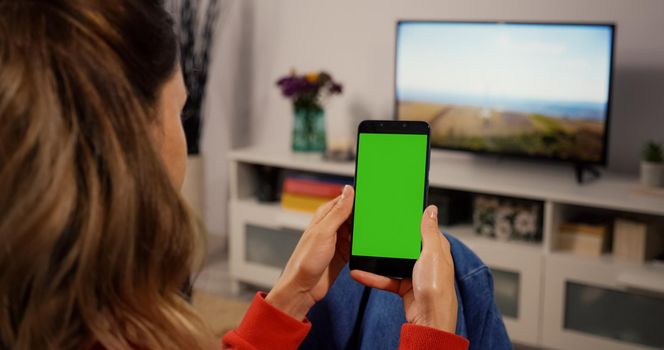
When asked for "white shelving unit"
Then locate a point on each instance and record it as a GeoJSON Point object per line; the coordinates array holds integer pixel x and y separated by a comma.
{"type": "Point", "coordinates": [546, 285]}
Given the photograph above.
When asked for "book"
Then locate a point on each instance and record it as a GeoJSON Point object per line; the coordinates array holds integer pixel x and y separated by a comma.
{"type": "Point", "coordinates": [310, 187]}
{"type": "Point", "coordinates": [301, 202]}
{"type": "Point", "coordinates": [343, 180]}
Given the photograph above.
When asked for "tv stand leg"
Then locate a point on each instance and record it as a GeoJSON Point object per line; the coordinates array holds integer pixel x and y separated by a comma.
{"type": "Point", "coordinates": [581, 169]}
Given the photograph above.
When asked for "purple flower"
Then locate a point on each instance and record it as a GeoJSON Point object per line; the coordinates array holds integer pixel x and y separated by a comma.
{"type": "Point", "coordinates": [290, 86]}
{"type": "Point", "coordinates": [305, 90]}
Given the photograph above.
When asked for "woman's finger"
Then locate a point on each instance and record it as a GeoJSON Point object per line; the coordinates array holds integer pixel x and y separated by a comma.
{"type": "Point", "coordinates": [376, 281]}
{"type": "Point", "coordinates": [341, 210]}
{"type": "Point", "coordinates": [444, 243]}
{"type": "Point", "coordinates": [429, 229]}
{"type": "Point", "coordinates": [322, 211]}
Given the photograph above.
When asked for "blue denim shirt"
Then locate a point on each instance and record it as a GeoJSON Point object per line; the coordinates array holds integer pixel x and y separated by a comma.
{"type": "Point", "coordinates": [352, 316]}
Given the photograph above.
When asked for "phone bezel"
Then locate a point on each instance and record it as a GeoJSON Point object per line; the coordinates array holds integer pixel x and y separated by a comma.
{"type": "Point", "coordinates": [390, 267]}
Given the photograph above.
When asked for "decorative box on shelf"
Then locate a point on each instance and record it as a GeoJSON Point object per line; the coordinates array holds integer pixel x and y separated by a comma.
{"type": "Point", "coordinates": [637, 242]}
{"type": "Point", "coordinates": [507, 218]}
{"type": "Point", "coordinates": [583, 239]}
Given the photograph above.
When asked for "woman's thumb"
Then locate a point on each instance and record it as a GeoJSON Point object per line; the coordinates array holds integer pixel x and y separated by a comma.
{"type": "Point", "coordinates": [429, 227]}
{"type": "Point", "coordinates": [341, 210]}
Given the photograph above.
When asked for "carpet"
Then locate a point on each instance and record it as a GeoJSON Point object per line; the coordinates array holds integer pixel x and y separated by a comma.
{"type": "Point", "coordinates": [221, 313]}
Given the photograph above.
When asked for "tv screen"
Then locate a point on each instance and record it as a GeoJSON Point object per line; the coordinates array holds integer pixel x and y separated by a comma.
{"type": "Point", "coordinates": [526, 89]}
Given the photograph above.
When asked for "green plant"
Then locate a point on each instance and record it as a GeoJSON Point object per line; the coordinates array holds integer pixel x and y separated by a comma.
{"type": "Point", "coordinates": [653, 152]}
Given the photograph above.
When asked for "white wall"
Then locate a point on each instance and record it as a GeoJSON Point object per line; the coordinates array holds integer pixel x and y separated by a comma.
{"type": "Point", "coordinates": [354, 40]}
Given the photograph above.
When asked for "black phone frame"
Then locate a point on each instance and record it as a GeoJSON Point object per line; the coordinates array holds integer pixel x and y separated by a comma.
{"type": "Point", "coordinates": [390, 267]}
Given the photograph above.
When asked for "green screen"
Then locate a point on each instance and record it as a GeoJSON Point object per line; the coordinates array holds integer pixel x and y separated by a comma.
{"type": "Point", "coordinates": [389, 195]}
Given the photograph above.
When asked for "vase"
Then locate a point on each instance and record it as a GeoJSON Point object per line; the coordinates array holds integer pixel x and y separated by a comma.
{"type": "Point", "coordinates": [309, 129]}
{"type": "Point", "coordinates": [652, 174]}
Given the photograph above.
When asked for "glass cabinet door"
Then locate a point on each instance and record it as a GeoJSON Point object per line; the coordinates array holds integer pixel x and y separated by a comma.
{"type": "Point", "coordinates": [506, 292]}
{"type": "Point", "coordinates": [619, 315]}
{"type": "Point", "coordinates": [268, 246]}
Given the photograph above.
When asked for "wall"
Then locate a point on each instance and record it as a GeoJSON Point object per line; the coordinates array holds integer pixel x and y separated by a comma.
{"type": "Point", "coordinates": [354, 39]}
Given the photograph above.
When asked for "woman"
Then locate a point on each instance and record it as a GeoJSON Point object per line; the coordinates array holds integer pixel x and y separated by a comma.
{"type": "Point", "coordinates": [96, 240]}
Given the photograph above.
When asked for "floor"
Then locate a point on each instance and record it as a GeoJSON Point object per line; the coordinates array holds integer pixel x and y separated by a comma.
{"type": "Point", "coordinates": [212, 297]}
{"type": "Point", "coordinates": [221, 313]}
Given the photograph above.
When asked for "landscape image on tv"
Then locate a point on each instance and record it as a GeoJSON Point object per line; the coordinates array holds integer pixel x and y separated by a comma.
{"type": "Point", "coordinates": [522, 89]}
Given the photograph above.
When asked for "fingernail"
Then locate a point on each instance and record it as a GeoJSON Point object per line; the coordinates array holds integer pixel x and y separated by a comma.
{"type": "Point", "coordinates": [345, 192]}
{"type": "Point", "coordinates": [433, 212]}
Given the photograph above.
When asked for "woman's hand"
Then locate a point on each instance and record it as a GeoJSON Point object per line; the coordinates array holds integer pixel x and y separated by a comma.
{"type": "Point", "coordinates": [318, 258]}
{"type": "Point", "coordinates": [429, 298]}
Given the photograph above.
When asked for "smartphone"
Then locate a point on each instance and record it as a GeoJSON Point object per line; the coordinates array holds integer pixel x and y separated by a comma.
{"type": "Point", "coordinates": [391, 185]}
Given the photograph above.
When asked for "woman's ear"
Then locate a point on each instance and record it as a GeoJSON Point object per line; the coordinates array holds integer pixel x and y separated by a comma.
{"type": "Point", "coordinates": [168, 134]}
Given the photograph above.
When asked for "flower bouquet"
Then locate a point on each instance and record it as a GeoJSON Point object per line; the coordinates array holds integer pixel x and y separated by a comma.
{"type": "Point", "coordinates": [307, 93]}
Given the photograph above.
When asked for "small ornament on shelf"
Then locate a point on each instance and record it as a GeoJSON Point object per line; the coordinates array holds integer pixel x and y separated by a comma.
{"type": "Point", "coordinates": [507, 219]}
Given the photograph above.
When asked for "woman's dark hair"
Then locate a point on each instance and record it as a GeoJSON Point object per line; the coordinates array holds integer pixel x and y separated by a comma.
{"type": "Point", "coordinates": [96, 240]}
{"type": "Point", "coordinates": [149, 44]}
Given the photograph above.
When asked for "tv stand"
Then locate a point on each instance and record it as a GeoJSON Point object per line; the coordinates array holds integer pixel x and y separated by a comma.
{"type": "Point", "coordinates": [263, 234]}
{"type": "Point", "coordinates": [581, 169]}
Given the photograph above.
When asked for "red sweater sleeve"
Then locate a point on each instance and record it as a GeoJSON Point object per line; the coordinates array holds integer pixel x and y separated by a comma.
{"type": "Point", "coordinates": [421, 337]}
{"type": "Point", "coordinates": [266, 327]}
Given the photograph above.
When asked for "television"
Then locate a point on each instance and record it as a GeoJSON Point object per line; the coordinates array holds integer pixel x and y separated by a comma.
{"type": "Point", "coordinates": [540, 90]}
